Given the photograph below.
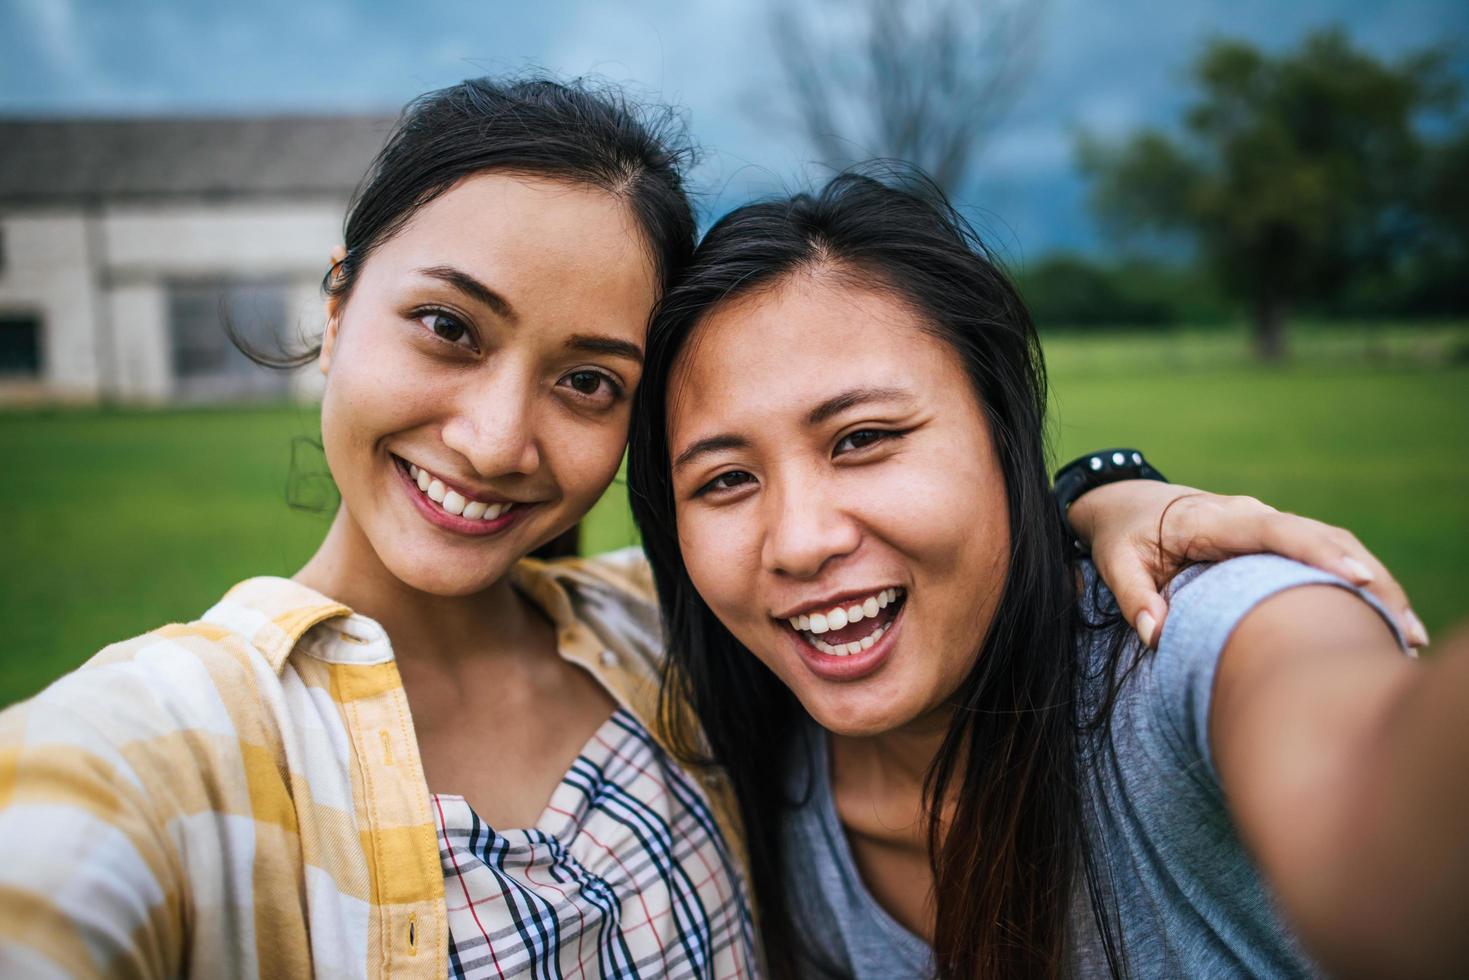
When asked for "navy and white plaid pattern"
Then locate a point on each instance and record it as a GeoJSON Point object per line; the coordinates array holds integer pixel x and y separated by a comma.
{"type": "Point", "coordinates": [624, 875]}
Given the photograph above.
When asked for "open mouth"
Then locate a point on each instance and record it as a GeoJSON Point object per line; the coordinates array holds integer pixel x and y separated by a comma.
{"type": "Point", "coordinates": [449, 501]}
{"type": "Point", "coordinates": [851, 627]}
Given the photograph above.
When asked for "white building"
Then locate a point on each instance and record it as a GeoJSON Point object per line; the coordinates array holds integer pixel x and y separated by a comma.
{"type": "Point", "coordinates": [124, 243]}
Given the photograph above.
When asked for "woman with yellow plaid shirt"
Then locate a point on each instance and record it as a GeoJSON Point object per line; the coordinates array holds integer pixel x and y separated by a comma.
{"type": "Point", "coordinates": [426, 754]}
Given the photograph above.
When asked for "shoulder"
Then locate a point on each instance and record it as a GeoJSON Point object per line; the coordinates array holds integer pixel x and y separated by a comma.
{"type": "Point", "coordinates": [624, 573]}
{"type": "Point", "coordinates": [1208, 602]}
{"type": "Point", "coordinates": [611, 593]}
{"type": "Point", "coordinates": [1207, 605]}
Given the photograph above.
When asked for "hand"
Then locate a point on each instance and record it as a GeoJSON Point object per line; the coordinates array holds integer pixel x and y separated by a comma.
{"type": "Point", "coordinates": [1143, 532]}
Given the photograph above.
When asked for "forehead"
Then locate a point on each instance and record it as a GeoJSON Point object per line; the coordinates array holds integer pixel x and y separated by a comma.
{"type": "Point", "coordinates": [778, 352]}
{"type": "Point", "coordinates": [531, 236]}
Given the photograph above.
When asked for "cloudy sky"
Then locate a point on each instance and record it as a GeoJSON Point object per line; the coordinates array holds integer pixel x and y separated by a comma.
{"type": "Point", "coordinates": [1107, 65]}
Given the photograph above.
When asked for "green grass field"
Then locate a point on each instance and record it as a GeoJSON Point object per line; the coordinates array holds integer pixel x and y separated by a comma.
{"type": "Point", "coordinates": [116, 521]}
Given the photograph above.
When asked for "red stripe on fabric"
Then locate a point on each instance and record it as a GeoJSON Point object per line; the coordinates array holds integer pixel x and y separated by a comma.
{"type": "Point", "coordinates": [640, 770]}
{"type": "Point", "coordinates": [718, 889]}
{"type": "Point", "coordinates": [459, 877]}
{"type": "Point", "coordinates": [648, 916]}
{"type": "Point", "coordinates": [580, 919]}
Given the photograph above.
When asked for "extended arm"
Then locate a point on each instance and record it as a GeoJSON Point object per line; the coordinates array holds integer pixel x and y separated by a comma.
{"type": "Point", "coordinates": [88, 883]}
{"type": "Point", "coordinates": [1345, 766]}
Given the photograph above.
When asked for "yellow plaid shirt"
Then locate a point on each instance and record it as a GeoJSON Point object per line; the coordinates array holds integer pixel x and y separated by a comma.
{"type": "Point", "coordinates": [243, 795]}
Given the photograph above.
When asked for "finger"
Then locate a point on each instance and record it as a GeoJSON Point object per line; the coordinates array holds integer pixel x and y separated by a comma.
{"type": "Point", "coordinates": [1132, 584]}
{"type": "Point", "coordinates": [1338, 551]}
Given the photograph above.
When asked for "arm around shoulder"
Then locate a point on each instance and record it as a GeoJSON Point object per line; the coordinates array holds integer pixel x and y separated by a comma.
{"type": "Point", "coordinates": [1343, 763]}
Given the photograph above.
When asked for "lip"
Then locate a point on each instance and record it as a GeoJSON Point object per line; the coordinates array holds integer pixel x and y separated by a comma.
{"type": "Point", "coordinates": [854, 666]}
{"type": "Point", "coordinates": [459, 525]}
{"type": "Point", "coordinates": [835, 599]}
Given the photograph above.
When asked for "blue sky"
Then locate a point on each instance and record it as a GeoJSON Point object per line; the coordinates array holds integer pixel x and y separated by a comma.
{"type": "Point", "coordinates": [1107, 65]}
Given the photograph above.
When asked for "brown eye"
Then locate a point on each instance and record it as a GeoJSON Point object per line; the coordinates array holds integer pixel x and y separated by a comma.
{"type": "Point", "coordinates": [586, 382]}
{"type": "Point", "coordinates": [732, 480]}
{"type": "Point", "coordinates": [447, 327]}
{"type": "Point", "coordinates": [861, 439]}
{"type": "Point", "coordinates": [595, 388]}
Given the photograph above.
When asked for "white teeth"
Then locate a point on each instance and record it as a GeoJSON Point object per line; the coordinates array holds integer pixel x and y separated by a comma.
{"type": "Point", "coordinates": [840, 616]}
{"type": "Point", "coordinates": [847, 649]}
{"type": "Point", "coordinates": [455, 502]}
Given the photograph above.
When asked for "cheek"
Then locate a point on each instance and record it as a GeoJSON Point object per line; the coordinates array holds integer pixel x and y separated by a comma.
{"type": "Point", "coordinates": [946, 520]}
{"type": "Point", "coordinates": [370, 390]}
{"type": "Point", "coordinates": [723, 563]}
{"type": "Point", "coordinates": [582, 455]}
{"type": "Point", "coordinates": [937, 510]}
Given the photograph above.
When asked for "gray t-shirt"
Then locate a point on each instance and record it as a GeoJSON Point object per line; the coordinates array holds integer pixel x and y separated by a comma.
{"type": "Point", "coordinates": [1184, 893]}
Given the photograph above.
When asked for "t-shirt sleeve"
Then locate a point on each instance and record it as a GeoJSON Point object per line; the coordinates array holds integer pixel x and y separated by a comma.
{"type": "Point", "coordinates": [1203, 612]}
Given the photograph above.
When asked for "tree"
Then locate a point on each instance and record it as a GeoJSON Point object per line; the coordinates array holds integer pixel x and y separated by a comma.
{"type": "Point", "coordinates": [922, 81]}
{"type": "Point", "coordinates": [1292, 174]}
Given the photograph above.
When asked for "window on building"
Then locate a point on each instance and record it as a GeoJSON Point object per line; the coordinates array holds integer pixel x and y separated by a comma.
{"type": "Point", "coordinates": [20, 346]}
{"type": "Point", "coordinates": [206, 364]}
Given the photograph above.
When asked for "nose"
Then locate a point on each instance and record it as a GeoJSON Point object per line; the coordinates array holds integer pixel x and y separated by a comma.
{"type": "Point", "coordinates": [807, 530]}
{"type": "Point", "coordinates": [493, 425]}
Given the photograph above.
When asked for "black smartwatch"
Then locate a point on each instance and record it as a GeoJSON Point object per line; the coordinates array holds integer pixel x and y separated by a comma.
{"type": "Point", "coordinates": [1094, 470]}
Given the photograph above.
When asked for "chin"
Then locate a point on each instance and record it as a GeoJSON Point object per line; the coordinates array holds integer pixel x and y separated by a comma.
{"type": "Point", "coordinates": [856, 714]}
{"type": "Point", "coordinates": [448, 578]}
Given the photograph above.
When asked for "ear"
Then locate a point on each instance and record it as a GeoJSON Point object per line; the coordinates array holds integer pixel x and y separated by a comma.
{"type": "Point", "coordinates": [329, 335]}
{"type": "Point", "coordinates": [333, 310]}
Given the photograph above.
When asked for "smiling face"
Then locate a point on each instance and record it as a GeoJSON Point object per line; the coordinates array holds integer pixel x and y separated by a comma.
{"type": "Point", "coordinates": [832, 465]}
{"type": "Point", "coordinates": [479, 376]}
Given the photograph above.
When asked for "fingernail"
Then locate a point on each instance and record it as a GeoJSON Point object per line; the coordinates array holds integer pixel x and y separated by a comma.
{"type": "Point", "coordinates": [1417, 633]}
{"type": "Point", "coordinates": [1147, 625]}
{"type": "Point", "coordinates": [1356, 571]}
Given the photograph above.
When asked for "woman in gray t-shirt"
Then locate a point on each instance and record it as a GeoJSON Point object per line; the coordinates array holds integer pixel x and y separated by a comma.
{"type": "Point", "coordinates": [952, 757]}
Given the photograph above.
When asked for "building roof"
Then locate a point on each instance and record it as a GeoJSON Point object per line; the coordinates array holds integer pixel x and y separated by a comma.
{"type": "Point", "coordinates": [49, 161]}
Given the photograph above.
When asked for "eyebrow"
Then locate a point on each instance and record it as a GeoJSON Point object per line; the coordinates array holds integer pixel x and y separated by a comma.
{"type": "Point", "coordinates": [714, 444]}
{"type": "Point", "coordinates": [849, 399]}
{"type": "Point", "coordinates": [599, 344]}
{"type": "Point", "coordinates": [471, 287]}
{"type": "Point", "coordinates": [821, 413]}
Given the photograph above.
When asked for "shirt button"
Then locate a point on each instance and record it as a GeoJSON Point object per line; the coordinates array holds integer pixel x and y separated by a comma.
{"type": "Point", "coordinates": [609, 659]}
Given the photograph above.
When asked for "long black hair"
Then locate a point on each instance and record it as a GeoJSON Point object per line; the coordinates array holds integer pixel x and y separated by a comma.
{"type": "Point", "coordinates": [1008, 850]}
{"type": "Point", "coordinates": [531, 125]}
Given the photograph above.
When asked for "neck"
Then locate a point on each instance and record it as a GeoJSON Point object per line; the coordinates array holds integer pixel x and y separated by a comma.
{"type": "Point", "coordinates": [878, 780]}
{"type": "Point", "coordinates": [422, 626]}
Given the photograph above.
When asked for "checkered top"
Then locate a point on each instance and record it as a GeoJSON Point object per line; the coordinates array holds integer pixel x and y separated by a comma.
{"type": "Point", "coordinates": [625, 874]}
